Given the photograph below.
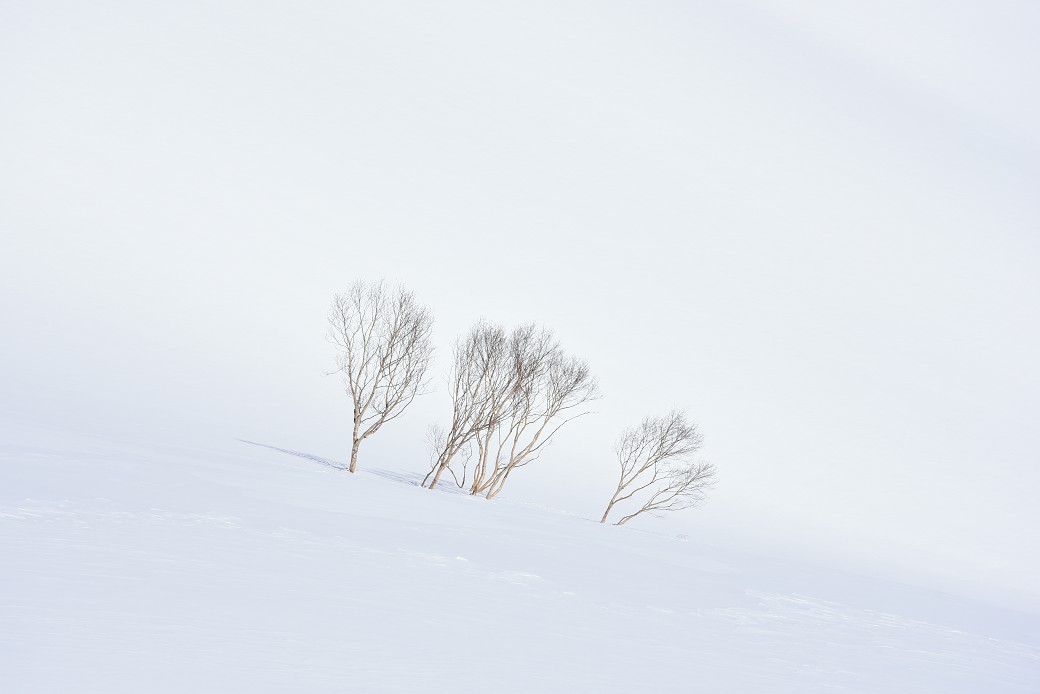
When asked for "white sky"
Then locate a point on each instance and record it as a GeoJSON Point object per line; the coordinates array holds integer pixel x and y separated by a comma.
{"type": "Point", "coordinates": [814, 225]}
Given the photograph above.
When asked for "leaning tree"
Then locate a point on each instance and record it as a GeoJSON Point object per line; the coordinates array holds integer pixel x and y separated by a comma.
{"type": "Point", "coordinates": [658, 469]}
{"type": "Point", "coordinates": [511, 392]}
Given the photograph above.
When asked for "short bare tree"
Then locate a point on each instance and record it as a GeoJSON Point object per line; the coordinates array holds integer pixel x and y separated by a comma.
{"type": "Point", "coordinates": [511, 394]}
{"type": "Point", "coordinates": [658, 472]}
{"type": "Point", "coordinates": [384, 349]}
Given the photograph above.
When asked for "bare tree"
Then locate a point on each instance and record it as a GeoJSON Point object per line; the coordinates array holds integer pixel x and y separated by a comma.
{"type": "Point", "coordinates": [549, 389]}
{"type": "Point", "coordinates": [657, 466]}
{"type": "Point", "coordinates": [511, 395]}
{"type": "Point", "coordinates": [384, 350]}
{"type": "Point", "coordinates": [479, 382]}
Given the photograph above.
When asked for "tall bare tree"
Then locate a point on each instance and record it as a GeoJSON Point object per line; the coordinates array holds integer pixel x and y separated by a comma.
{"type": "Point", "coordinates": [517, 391]}
{"type": "Point", "coordinates": [383, 345]}
{"type": "Point", "coordinates": [549, 390]}
{"type": "Point", "coordinates": [480, 382]}
{"type": "Point", "coordinates": [658, 472]}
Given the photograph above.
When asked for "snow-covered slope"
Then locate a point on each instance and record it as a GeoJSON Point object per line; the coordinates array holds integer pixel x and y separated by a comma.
{"type": "Point", "coordinates": [130, 566]}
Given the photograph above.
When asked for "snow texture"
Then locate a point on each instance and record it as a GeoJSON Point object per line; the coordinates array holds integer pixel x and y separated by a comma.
{"type": "Point", "coordinates": [131, 566]}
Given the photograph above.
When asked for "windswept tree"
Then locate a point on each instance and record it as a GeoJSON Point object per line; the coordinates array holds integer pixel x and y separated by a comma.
{"type": "Point", "coordinates": [382, 336]}
{"type": "Point", "coordinates": [658, 469]}
{"type": "Point", "coordinates": [511, 394]}
{"type": "Point", "coordinates": [479, 382]}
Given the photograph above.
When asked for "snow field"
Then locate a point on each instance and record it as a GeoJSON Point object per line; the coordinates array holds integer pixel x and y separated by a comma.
{"type": "Point", "coordinates": [133, 567]}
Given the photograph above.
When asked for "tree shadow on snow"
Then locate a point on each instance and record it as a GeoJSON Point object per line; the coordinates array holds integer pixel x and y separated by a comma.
{"type": "Point", "coordinates": [300, 454]}
{"type": "Point", "coordinates": [409, 478]}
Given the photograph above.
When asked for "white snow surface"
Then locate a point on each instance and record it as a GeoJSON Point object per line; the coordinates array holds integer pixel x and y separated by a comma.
{"type": "Point", "coordinates": [134, 566]}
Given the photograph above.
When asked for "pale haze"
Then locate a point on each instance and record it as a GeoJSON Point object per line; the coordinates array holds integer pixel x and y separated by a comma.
{"type": "Point", "coordinates": [814, 226]}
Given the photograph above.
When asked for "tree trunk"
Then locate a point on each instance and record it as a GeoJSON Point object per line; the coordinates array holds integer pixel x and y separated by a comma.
{"type": "Point", "coordinates": [437, 477]}
{"type": "Point", "coordinates": [353, 454]}
{"type": "Point", "coordinates": [442, 464]}
{"type": "Point", "coordinates": [614, 499]}
{"type": "Point", "coordinates": [497, 483]}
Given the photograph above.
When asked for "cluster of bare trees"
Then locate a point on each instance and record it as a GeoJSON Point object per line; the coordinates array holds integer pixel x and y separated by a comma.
{"type": "Point", "coordinates": [511, 391]}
